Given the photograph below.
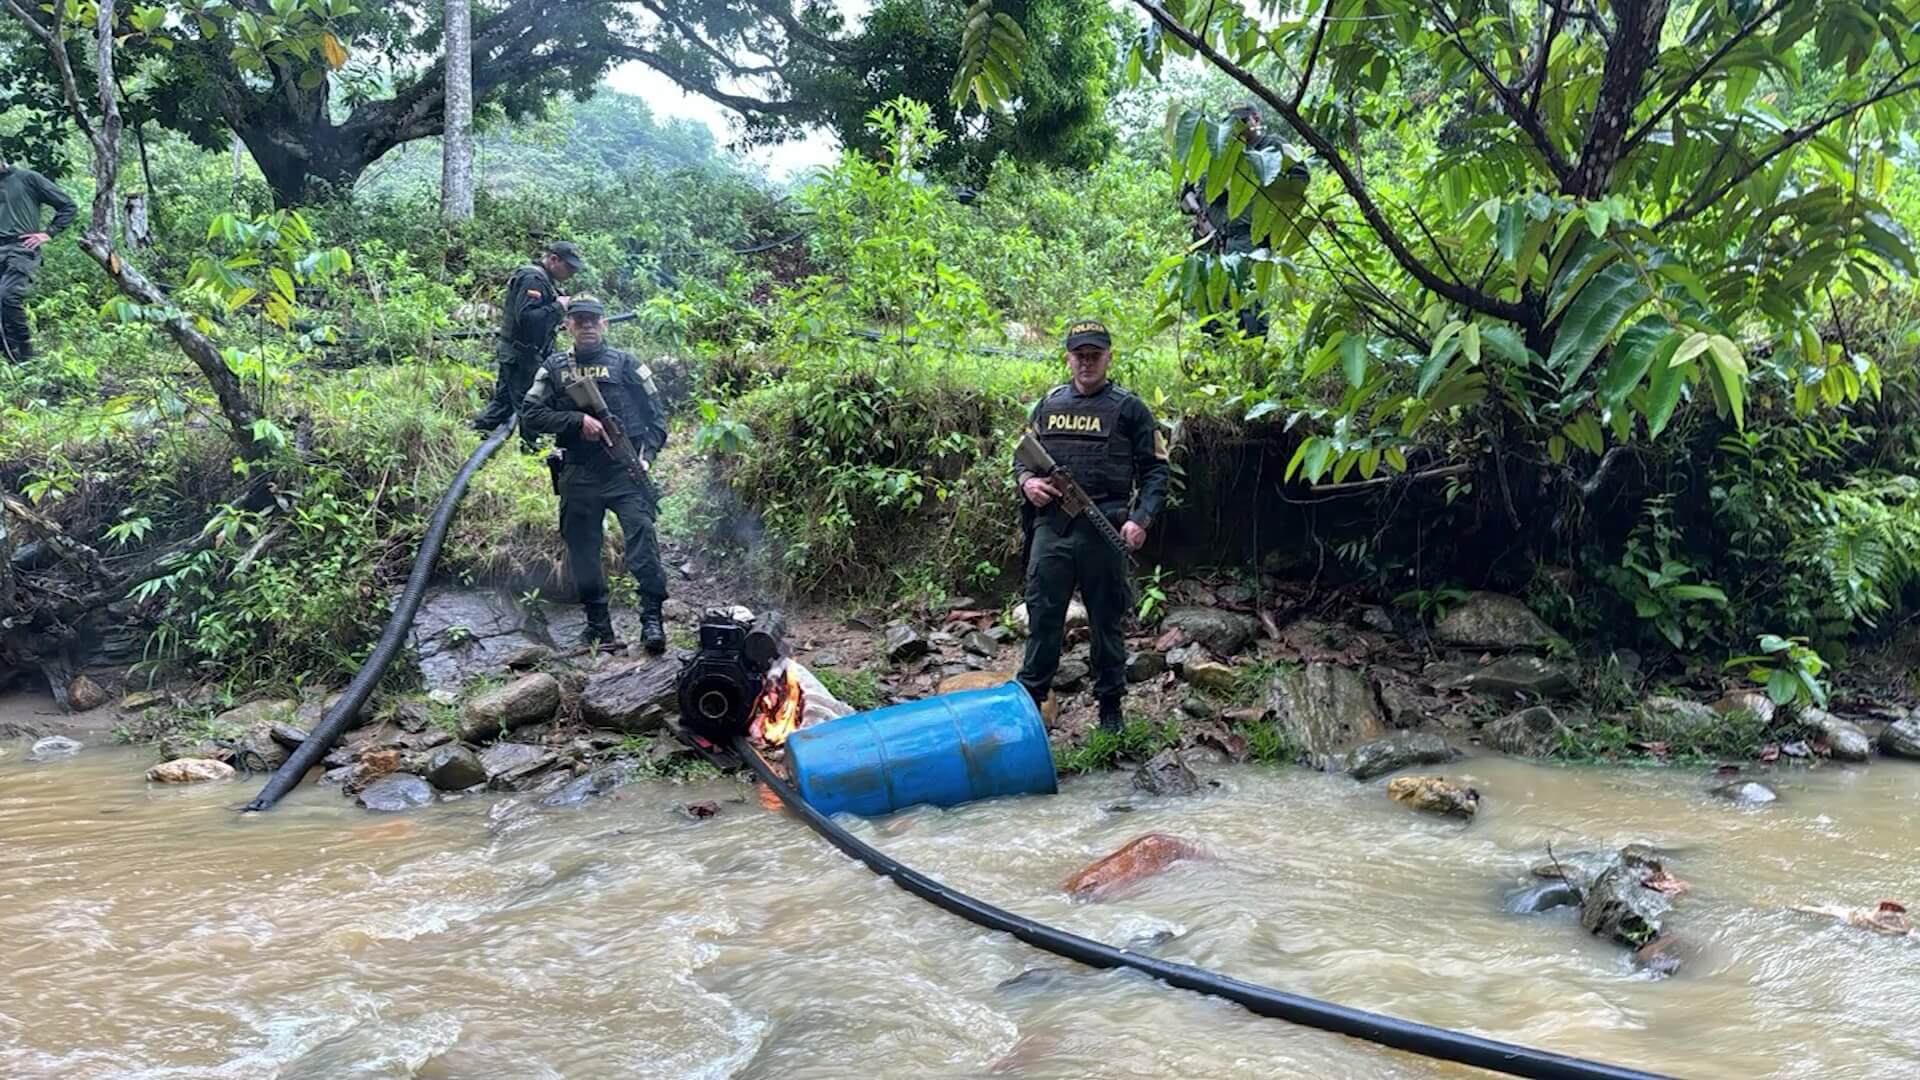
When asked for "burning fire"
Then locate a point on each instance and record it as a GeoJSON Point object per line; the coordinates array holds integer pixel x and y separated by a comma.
{"type": "Point", "coordinates": [776, 712]}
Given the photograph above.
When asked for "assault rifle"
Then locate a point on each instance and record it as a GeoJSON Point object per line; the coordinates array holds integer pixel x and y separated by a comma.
{"type": "Point", "coordinates": [585, 393]}
{"type": "Point", "coordinates": [1074, 500]}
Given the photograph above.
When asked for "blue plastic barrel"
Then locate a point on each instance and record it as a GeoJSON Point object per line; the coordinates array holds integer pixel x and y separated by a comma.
{"type": "Point", "coordinates": [944, 750]}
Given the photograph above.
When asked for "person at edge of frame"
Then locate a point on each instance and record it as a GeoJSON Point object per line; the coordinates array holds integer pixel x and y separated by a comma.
{"type": "Point", "coordinates": [22, 193]}
{"type": "Point", "coordinates": [530, 316]}
{"type": "Point", "coordinates": [1106, 438]}
{"type": "Point", "coordinates": [591, 480]}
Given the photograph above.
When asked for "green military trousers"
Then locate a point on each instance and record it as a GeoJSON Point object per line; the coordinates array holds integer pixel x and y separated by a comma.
{"type": "Point", "coordinates": [586, 494]}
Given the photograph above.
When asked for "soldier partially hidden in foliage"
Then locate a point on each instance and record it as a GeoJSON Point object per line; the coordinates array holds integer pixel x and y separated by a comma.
{"type": "Point", "coordinates": [22, 193]}
{"type": "Point", "coordinates": [591, 480]}
{"type": "Point", "coordinates": [1227, 234]}
{"type": "Point", "coordinates": [1106, 439]}
{"type": "Point", "coordinates": [529, 319]}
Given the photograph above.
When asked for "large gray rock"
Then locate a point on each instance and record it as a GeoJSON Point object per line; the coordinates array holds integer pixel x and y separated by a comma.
{"type": "Point", "coordinates": [255, 714]}
{"type": "Point", "coordinates": [461, 634]}
{"type": "Point", "coordinates": [1324, 708]}
{"type": "Point", "coordinates": [1844, 738]}
{"type": "Point", "coordinates": [454, 768]}
{"type": "Point", "coordinates": [1747, 701]}
{"type": "Point", "coordinates": [510, 766]}
{"type": "Point", "coordinates": [598, 782]}
{"type": "Point", "coordinates": [1166, 774]}
{"type": "Point", "coordinates": [1674, 718]}
{"type": "Point", "coordinates": [83, 694]}
{"type": "Point", "coordinates": [1382, 756]}
{"type": "Point", "coordinates": [260, 750]}
{"type": "Point", "coordinates": [1518, 677]}
{"type": "Point", "coordinates": [528, 699]}
{"type": "Point", "coordinates": [635, 698]}
{"type": "Point", "coordinates": [904, 643]}
{"type": "Point", "coordinates": [1902, 738]}
{"type": "Point", "coordinates": [396, 792]}
{"type": "Point", "coordinates": [1619, 904]}
{"type": "Point", "coordinates": [1536, 732]}
{"type": "Point", "coordinates": [1488, 620]}
{"type": "Point", "coordinates": [1223, 632]}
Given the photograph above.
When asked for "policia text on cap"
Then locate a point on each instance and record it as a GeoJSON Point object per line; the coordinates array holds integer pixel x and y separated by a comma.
{"type": "Point", "coordinates": [1107, 439]}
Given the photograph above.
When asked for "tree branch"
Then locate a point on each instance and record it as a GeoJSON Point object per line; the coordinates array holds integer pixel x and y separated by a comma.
{"type": "Point", "coordinates": [1791, 138]}
{"type": "Point", "coordinates": [1634, 45]}
{"type": "Point", "coordinates": [707, 88]}
{"type": "Point", "coordinates": [1537, 79]}
{"type": "Point", "coordinates": [1694, 77]}
{"type": "Point", "coordinates": [702, 43]}
{"type": "Point", "coordinates": [55, 41]}
{"type": "Point", "coordinates": [1523, 117]}
{"type": "Point", "coordinates": [1313, 54]}
{"type": "Point", "coordinates": [1424, 274]}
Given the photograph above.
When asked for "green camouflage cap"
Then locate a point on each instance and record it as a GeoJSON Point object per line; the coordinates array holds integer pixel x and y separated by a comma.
{"type": "Point", "coordinates": [568, 253]}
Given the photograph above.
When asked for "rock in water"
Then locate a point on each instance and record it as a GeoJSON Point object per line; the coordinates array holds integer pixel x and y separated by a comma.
{"type": "Point", "coordinates": [510, 766]}
{"type": "Point", "coordinates": [1382, 756]}
{"type": "Point", "coordinates": [1746, 793]}
{"type": "Point", "coordinates": [633, 698]}
{"type": "Point", "coordinates": [1534, 732]}
{"type": "Point", "coordinates": [526, 700]}
{"type": "Point", "coordinates": [1142, 666]}
{"type": "Point", "coordinates": [52, 748]}
{"type": "Point", "coordinates": [1141, 858]}
{"type": "Point", "coordinates": [398, 791]}
{"type": "Point", "coordinates": [1620, 905]}
{"type": "Point", "coordinates": [1844, 738]}
{"type": "Point", "coordinates": [904, 644]}
{"type": "Point", "coordinates": [598, 782]}
{"type": "Point", "coordinates": [1902, 739]}
{"type": "Point", "coordinates": [1492, 621]}
{"type": "Point", "coordinates": [1661, 956]}
{"type": "Point", "coordinates": [1434, 795]}
{"type": "Point", "coordinates": [189, 771]}
{"type": "Point", "coordinates": [1166, 774]}
{"type": "Point", "coordinates": [84, 694]}
{"type": "Point", "coordinates": [1537, 898]}
{"type": "Point", "coordinates": [1223, 632]}
{"type": "Point", "coordinates": [287, 735]}
{"type": "Point", "coordinates": [454, 768]}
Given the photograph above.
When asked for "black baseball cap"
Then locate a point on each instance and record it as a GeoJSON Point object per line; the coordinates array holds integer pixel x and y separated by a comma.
{"type": "Point", "coordinates": [1088, 332]}
{"type": "Point", "coordinates": [568, 253]}
{"type": "Point", "coordinates": [586, 305]}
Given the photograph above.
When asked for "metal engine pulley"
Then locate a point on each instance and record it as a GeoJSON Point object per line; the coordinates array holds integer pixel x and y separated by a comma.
{"type": "Point", "coordinates": [719, 686]}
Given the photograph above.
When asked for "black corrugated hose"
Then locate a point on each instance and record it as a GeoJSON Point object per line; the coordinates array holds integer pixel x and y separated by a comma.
{"type": "Point", "coordinates": [1434, 1042]}
{"type": "Point", "coordinates": [354, 698]}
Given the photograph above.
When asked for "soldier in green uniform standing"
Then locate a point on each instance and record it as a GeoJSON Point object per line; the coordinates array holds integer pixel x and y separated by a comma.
{"type": "Point", "coordinates": [22, 193]}
{"type": "Point", "coordinates": [1106, 438]}
{"type": "Point", "coordinates": [591, 480]}
{"type": "Point", "coordinates": [529, 318]}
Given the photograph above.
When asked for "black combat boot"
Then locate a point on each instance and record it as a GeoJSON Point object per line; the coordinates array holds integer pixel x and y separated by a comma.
{"type": "Point", "coordinates": [599, 629]}
{"type": "Point", "coordinates": [652, 633]}
{"type": "Point", "coordinates": [1110, 718]}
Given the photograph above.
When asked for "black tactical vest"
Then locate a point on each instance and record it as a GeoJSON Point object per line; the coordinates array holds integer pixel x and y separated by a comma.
{"type": "Point", "coordinates": [621, 385]}
{"type": "Point", "coordinates": [1082, 434]}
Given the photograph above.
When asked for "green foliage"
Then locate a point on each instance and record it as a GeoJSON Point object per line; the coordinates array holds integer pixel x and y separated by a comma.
{"type": "Point", "coordinates": [1153, 594]}
{"type": "Point", "coordinates": [1788, 669]}
{"type": "Point", "coordinates": [1137, 740]}
{"type": "Point", "coordinates": [1654, 580]}
{"type": "Point", "coordinates": [859, 688]}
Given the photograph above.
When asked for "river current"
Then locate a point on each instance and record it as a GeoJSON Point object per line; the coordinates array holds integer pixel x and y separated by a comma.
{"type": "Point", "coordinates": [150, 931]}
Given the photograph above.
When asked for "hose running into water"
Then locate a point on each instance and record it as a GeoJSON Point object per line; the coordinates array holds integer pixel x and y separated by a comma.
{"type": "Point", "coordinates": [1435, 1042]}
{"type": "Point", "coordinates": [354, 698]}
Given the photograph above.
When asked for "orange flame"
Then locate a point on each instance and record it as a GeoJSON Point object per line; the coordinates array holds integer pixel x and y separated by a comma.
{"type": "Point", "coordinates": [776, 712]}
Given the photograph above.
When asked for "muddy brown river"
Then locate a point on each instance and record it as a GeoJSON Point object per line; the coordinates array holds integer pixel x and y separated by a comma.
{"type": "Point", "coordinates": [148, 931]}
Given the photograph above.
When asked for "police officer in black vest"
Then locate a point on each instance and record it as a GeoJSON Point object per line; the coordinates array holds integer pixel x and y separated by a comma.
{"type": "Point", "coordinates": [1107, 439]}
{"type": "Point", "coordinates": [592, 481]}
{"type": "Point", "coordinates": [530, 316]}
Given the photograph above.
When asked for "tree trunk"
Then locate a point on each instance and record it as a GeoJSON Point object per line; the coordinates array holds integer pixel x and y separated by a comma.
{"type": "Point", "coordinates": [456, 146]}
{"type": "Point", "coordinates": [1636, 44]}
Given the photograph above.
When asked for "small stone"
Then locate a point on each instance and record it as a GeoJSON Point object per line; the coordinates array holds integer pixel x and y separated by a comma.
{"type": "Point", "coordinates": [1210, 675]}
{"type": "Point", "coordinates": [286, 735]}
{"type": "Point", "coordinates": [1746, 793]}
{"type": "Point", "coordinates": [189, 771]}
{"type": "Point", "coordinates": [979, 644]}
{"type": "Point", "coordinates": [84, 695]}
{"type": "Point", "coordinates": [677, 611]}
{"type": "Point", "coordinates": [526, 700]}
{"type": "Point", "coordinates": [443, 697]}
{"type": "Point", "coordinates": [1434, 795]}
{"type": "Point", "coordinates": [144, 699]}
{"type": "Point", "coordinates": [53, 747]}
{"type": "Point", "coordinates": [1181, 655]}
{"type": "Point", "coordinates": [369, 766]}
{"type": "Point", "coordinates": [940, 639]}
{"type": "Point", "coordinates": [1140, 858]}
{"type": "Point", "coordinates": [1668, 718]}
{"type": "Point", "coordinates": [825, 659]}
{"type": "Point", "coordinates": [1374, 618]}
{"type": "Point", "coordinates": [1536, 732]}
{"type": "Point", "coordinates": [259, 749]}
{"type": "Point", "coordinates": [508, 764]}
{"type": "Point", "coordinates": [1902, 738]}
{"type": "Point", "coordinates": [1660, 957]}
{"type": "Point", "coordinates": [173, 747]}
{"type": "Point", "coordinates": [1234, 594]}
{"type": "Point", "coordinates": [1166, 774]}
{"type": "Point", "coordinates": [1197, 707]}
{"type": "Point", "coordinates": [1070, 675]}
{"type": "Point", "coordinates": [598, 782]}
{"type": "Point", "coordinates": [1142, 666]}
{"type": "Point", "coordinates": [903, 643]}
{"type": "Point", "coordinates": [700, 811]}
{"type": "Point", "coordinates": [1537, 898]}
{"type": "Point", "coordinates": [396, 792]}
{"type": "Point", "coordinates": [635, 698]}
{"type": "Point", "coordinates": [526, 656]}
{"type": "Point", "coordinates": [1845, 740]}
{"type": "Point", "coordinates": [1382, 756]}
{"type": "Point", "coordinates": [1000, 633]}
{"type": "Point", "coordinates": [454, 768]}
{"type": "Point", "coordinates": [1404, 708]}
{"type": "Point", "coordinates": [1519, 676]}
